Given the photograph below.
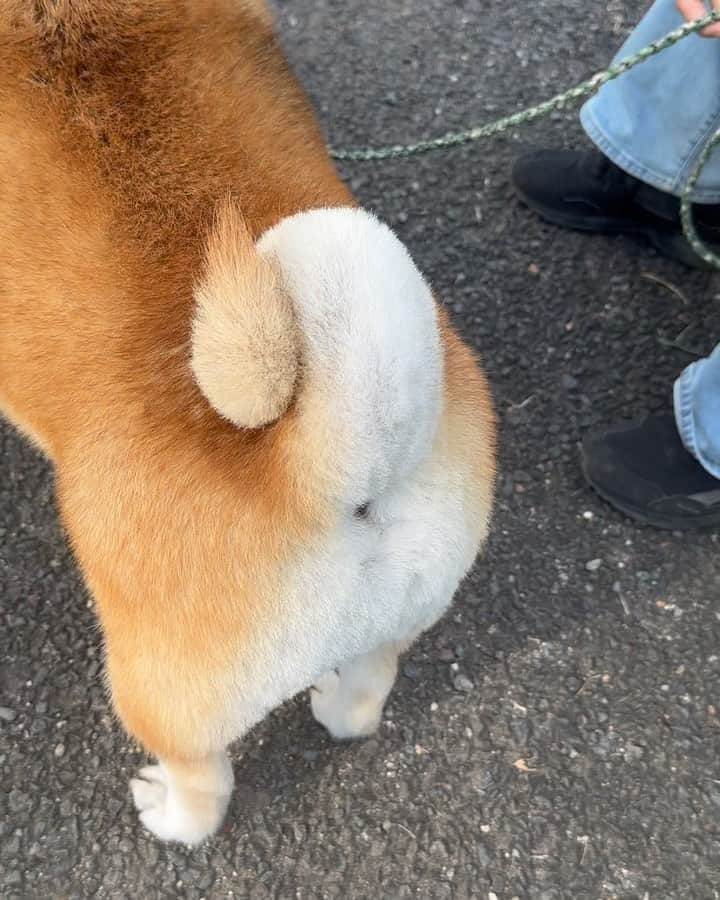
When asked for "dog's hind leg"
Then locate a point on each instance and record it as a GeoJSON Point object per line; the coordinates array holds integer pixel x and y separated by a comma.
{"type": "Point", "coordinates": [185, 795]}
{"type": "Point", "coordinates": [184, 801]}
{"type": "Point", "coordinates": [349, 702]}
{"type": "Point", "coordinates": [177, 708]}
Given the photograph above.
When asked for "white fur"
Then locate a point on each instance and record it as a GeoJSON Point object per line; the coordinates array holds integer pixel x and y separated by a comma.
{"type": "Point", "coordinates": [181, 806]}
{"type": "Point", "coordinates": [349, 702]}
{"type": "Point", "coordinates": [374, 581]}
{"type": "Point", "coordinates": [372, 380]}
{"type": "Point", "coordinates": [370, 350]}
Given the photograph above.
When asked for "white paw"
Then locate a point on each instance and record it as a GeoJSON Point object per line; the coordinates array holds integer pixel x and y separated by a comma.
{"type": "Point", "coordinates": [188, 817]}
{"type": "Point", "coordinates": [149, 789]}
{"type": "Point", "coordinates": [345, 714]}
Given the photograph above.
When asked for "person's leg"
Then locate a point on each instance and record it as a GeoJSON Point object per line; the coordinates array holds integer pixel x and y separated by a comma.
{"type": "Point", "coordinates": [649, 126]}
{"type": "Point", "coordinates": [697, 411]}
{"type": "Point", "coordinates": [654, 120]}
{"type": "Point", "coordinates": [665, 469]}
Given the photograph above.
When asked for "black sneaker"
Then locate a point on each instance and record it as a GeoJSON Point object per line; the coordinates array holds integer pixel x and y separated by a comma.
{"type": "Point", "coordinates": [643, 469]}
{"type": "Point", "coordinates": [588, 192]}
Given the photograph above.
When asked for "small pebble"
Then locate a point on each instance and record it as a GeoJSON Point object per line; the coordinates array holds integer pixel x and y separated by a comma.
{"type": "Point", "coordinates": [463, 683]}
{"type": "Point", "coordinates": [593, 565]}
{"type": "Point", "coordinates": [7, 714]}
{"type": "Point", "coordinates": [633, 752]}
{"type": "Point", "coordinates": [59, 750]}
{"type": "Point", "coordinates": [411, 671]}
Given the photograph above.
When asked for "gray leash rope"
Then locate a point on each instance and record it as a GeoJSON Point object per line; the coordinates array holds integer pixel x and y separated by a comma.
{"type": "Point", "coordinates": [584, 89]}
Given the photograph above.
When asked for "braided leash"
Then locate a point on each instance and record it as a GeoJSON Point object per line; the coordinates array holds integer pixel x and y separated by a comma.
{"type": "Point", "coordinates": [584, 89]}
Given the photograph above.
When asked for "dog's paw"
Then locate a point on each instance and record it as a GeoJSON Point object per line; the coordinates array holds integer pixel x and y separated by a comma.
{"type": "Point", "coordinates": [149, 790]}
{"type": "Point", "coordinates": [188, 816]}
{"type": "Point", "coordinates": [346, 714]}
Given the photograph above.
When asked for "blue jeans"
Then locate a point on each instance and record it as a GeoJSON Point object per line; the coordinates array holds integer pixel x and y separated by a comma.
{"type": "Point", "coordinates": [697, 410]}
{"type": "Point", "coordinates": [653, 122]}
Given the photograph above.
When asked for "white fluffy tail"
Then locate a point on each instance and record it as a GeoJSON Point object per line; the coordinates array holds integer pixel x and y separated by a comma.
{"type": "Point", "coordinates": [244, 337]}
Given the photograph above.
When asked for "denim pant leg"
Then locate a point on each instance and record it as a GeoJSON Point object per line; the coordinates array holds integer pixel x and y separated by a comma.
{"type": "Point", "coordinates": [697, 410]}
{"type": "Point", "coordinates": [653, 120]}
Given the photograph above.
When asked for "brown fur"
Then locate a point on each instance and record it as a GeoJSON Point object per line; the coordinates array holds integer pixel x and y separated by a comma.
{"type": "Point", "coordinates": [124, 125]}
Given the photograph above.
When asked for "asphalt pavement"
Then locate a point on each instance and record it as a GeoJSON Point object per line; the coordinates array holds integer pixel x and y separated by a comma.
{"type": "Point", "coordinates": [557, 734]}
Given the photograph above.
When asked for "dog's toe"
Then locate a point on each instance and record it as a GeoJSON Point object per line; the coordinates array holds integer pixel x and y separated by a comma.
{"type": "Point", "coordinates": [149, 790]}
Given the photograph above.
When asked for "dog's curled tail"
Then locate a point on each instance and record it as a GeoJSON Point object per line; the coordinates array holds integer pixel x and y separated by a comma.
{"type": "Point", "coordinates": [245, 344]}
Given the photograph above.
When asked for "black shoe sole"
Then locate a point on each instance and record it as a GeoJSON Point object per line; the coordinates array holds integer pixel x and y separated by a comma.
{"type": "Point", "coordinates": [708, 522]}
{"type": "Point", "coordinates": [667, 241]}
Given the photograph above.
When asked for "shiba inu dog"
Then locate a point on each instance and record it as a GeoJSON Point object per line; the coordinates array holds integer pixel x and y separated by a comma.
{"type": "Point", "coordinates": [274, 456]}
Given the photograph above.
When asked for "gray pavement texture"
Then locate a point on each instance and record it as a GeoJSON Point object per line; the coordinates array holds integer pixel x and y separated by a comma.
{"type": "Point", "coordinates": [557, 735]}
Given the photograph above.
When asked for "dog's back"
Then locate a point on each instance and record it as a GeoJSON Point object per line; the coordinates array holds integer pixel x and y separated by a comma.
{"type": "Point", "coordinates": [146, 335]}
{"type": "Point", "coordinates": [123, 125]}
